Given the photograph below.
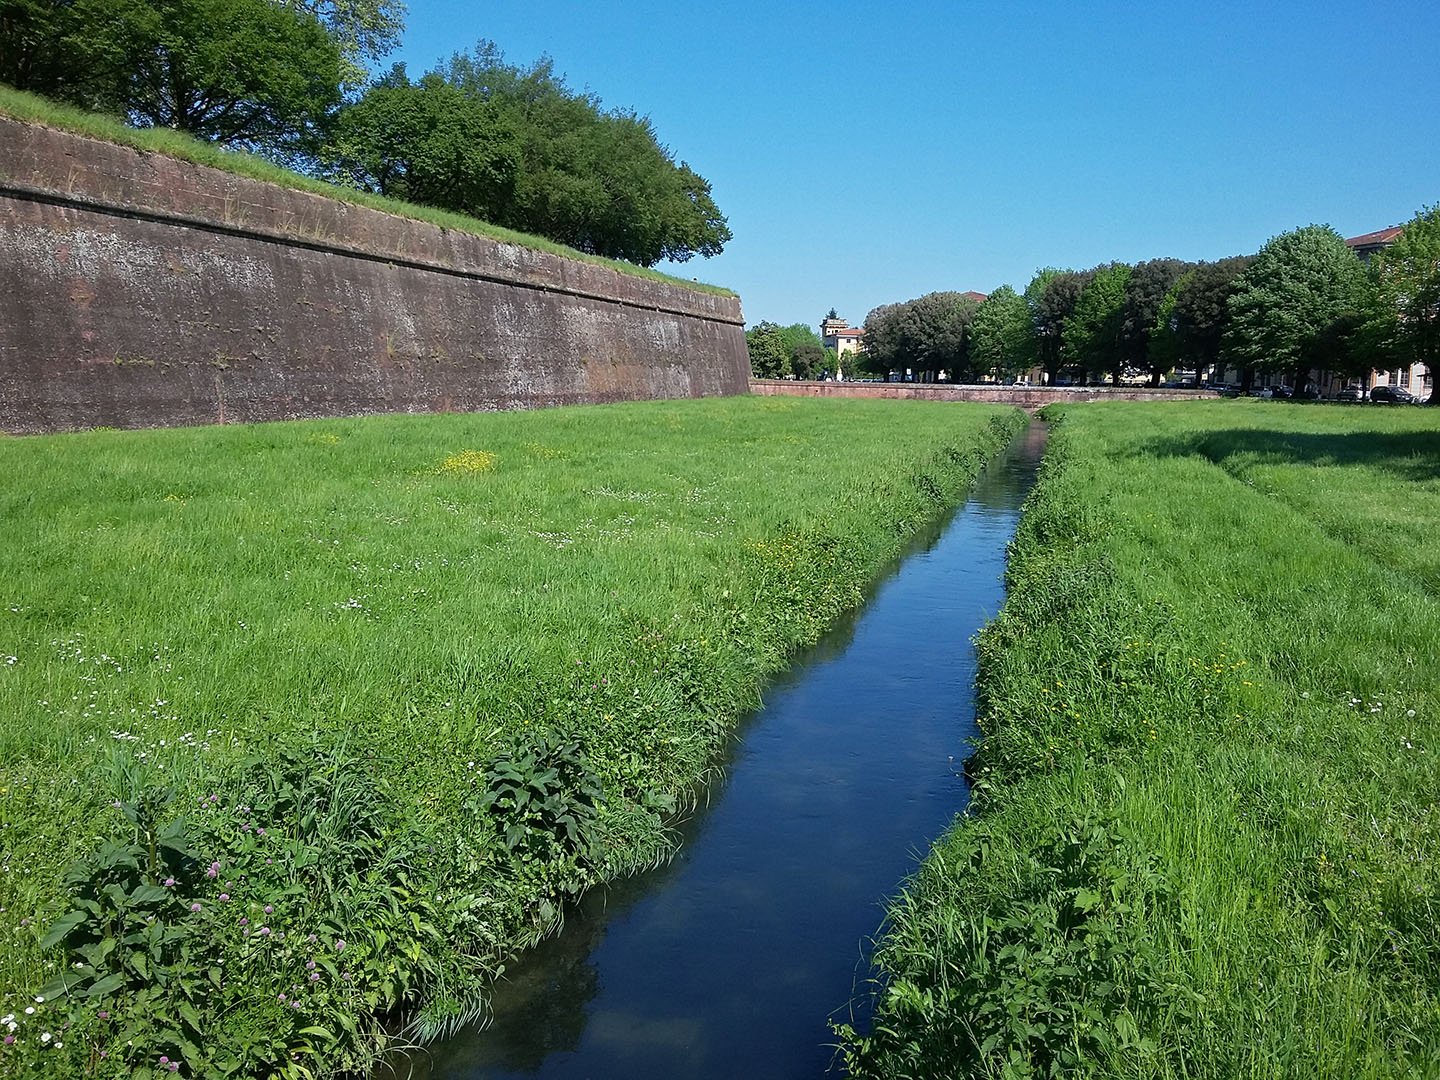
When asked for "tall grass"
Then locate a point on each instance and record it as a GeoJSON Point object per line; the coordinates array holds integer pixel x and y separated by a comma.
{"type": "Point", "coordinates": [1205, 829]}
{"type": "Point", "coordinates": [26, 106]}
{"type": "Point", "coordinates": [511, 642]}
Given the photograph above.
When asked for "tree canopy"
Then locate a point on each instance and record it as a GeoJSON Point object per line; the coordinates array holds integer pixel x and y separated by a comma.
{"type": "Point", "coordinates": [1296, 304]}
{"type": "Point", "coordinates": [1052, 295]}
{"type": "Point", "coordinates": [1202, 312]}
{"type": "Point", "coordinates": [927, 335]}
{"type": "Point", "coordinates": [1093, 334]}
{"type": "Point", "coordinates": [769, 356]}
{"type": "Point", "coordinates": [239, 72]}
{"type": "Point", "coordinates": [365, 31]}
{"type": "Point", "coordinates": [428, 142]}
{"type": "Point", "coordinates": [1150, 288]}
{"type": "Point", "coordinates": [1002, 342]}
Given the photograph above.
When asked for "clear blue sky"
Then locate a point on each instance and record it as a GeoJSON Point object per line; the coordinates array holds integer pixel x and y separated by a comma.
{"type": "Point", "coordinates": [866, 154]}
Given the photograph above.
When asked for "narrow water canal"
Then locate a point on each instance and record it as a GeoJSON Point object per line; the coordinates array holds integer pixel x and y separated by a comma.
{"type": "Point", "coordinates": [729, 961]}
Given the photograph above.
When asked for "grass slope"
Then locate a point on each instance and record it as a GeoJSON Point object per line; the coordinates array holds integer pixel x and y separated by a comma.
{"type": "Point", "coordinates": [405, 684]}
{"type": "Point", "coordinates": [1205, 831]}
{"type": "Point", "coordinates": [21, 105]}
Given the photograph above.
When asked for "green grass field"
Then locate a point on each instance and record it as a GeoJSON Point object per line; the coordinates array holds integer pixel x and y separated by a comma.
{"type": "Point", "coordinates": [1205, 834]}
{"type": "Point", "coordinates": [404, 683]}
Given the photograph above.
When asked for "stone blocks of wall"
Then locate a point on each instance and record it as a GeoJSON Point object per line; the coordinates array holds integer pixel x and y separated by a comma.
{"type": "Point", "coordinates": [140, 290]}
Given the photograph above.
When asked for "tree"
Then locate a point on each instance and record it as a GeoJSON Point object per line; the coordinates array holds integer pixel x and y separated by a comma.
{"type": "Point", "coordinates": [1002, 336]}
{"type": "Point", "coordinates": [1164, 350]}
{"type": "Point", "coordinates": [880, 344]}
{"type": "Point", "coordinates": [364, 31]}
{"type": "Point", "coordinates": [241, 72]}
{"type": "Point", "coordinates": [809, 361]}
{"type": "Point", "coordinates": [768, 356]}
{"type": "Point", "coordinates": [1297, 305]}
{"type": "Point", "coordinates": [1406, 314]}
{"type": "Point", "coordinates": [802, 346]}
{"type": "Point", "coordinates": [596, 180]}
{"type": "Point", "coordinates": [1202, 314]}
{"type": "Point", "coordinates": [927, 335]}
{"type": "Point", "coordinates": [1052, 295]}
{"type": "Point", "coordinates": [38, 39]}
{"type": "Point", "coordinates": [30, 54]}
{"type": "Point", "coordinates": [1093, 334]}
{"type": "Point", "coordinates": [429, 143]}
{"type": "Point", "coordinates": [1151, 284]}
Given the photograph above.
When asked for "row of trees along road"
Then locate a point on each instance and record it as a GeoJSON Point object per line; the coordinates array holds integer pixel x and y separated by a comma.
{"type": "Point", "coordinates": [288, 79]}
{"type": "Point", "coordinates": [783, 352]}
{"type": "Point", "coordinates": [1304, 303]}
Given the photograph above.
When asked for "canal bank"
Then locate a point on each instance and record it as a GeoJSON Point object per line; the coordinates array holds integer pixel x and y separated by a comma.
{"type": "Point", "coordinates": [732, 959]}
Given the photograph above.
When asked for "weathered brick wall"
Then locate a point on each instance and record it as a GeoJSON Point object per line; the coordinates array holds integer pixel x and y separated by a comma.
{"type": "Point", "coordinates": [1027, 397]}
{"type": "Point", "coordinates": [140, 290]}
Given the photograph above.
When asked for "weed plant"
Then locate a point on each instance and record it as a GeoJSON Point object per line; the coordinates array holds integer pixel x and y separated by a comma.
{"type": "Point", "coordinates": [177, 144]}
{"type": "Point", "coordinates": [1204, 832]}
{"type": "Point", "coordinates": [308, 727]}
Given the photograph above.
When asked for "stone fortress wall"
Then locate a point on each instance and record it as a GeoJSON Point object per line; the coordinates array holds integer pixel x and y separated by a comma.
{"type": "Point", "coordinates": [139, 290]}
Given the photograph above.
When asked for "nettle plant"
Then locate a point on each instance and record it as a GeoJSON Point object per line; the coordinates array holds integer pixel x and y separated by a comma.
{"type": "Point", "coordinates": [279, 928]}
{"type": "Point", "coordinates": [544, 800]}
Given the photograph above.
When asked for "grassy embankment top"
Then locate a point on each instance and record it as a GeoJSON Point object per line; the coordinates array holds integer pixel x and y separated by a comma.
{"type": "Point", "coordinates": [342, 641]}
{"type": "Point", "coordinates": [25, 106]}
{"type": "Point", "coordinates": [1206, 830]}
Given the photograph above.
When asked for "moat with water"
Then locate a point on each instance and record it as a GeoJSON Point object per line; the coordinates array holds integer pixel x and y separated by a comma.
{"type": "Point", "coordinates": [731, 960]}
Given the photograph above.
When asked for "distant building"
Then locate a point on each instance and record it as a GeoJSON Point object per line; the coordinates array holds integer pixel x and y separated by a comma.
{"type": "Point", "coordinates": [1371, 242]}
{"type": "Point", "coordinates": [837, 334]}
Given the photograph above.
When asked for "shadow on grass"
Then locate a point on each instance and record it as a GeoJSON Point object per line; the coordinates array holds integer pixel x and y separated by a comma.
{"type": "Point", "coordinates": [1411, 455]}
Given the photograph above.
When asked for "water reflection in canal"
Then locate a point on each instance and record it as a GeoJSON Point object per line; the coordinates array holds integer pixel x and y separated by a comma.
{"type": "Point", "coordinates": [729, 961]}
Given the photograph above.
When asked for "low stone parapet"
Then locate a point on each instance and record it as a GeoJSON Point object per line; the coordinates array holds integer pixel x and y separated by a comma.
{"type": "Point", "coordinates": [1026, 397]}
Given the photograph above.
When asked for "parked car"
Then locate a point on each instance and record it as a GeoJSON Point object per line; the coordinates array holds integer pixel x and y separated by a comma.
{"type": "Point", "coordinates": [1281, 393]}
{"type": "Point", "coordinates": [1351, 393]}
{"type": "Point", "coordinates": [1392, 395]}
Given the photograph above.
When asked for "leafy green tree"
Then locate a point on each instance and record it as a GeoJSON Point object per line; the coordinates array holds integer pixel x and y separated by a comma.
{"type": "Point", "coordinates": [241, 72]}
{"type": "Point", "coordinates": [1164, 351]}
{"type": "Point", "coordinates": [769, 358]}
{"type": "Point", "coordinates": [928, 335]}
{"type": "Point", "coordinates": [809, 361]}
{"type": "Point", "coordinates": [1094, 333]}
{"type": "Point", "coordinates": [1296, 307]}
{"type": "Point", "coordinates": [30, 54]}
{"type": "Point", "coordinates": [364, 30]}
{"type": "Point", "coordinates": [1052, 295]}
{"type": "Point", "coordinates": [429, 143]}
{"type": "Point", "coordinates": [1002, 336]}
{"type": "Point", "coordinates": [597, 180]}
{"type": "Point", "coordinates": [798, 334]}
{"type": "Point", "coordinates": [802, 345]}
{"type": "Point", "coordinates": [1151, 283]}
{"type": "Point", "coordinates": [1202, 313]}
{"type": "Point", "coordinates": [880, 345]}
{"type": "Point", "coordinates": [1405, 319]}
